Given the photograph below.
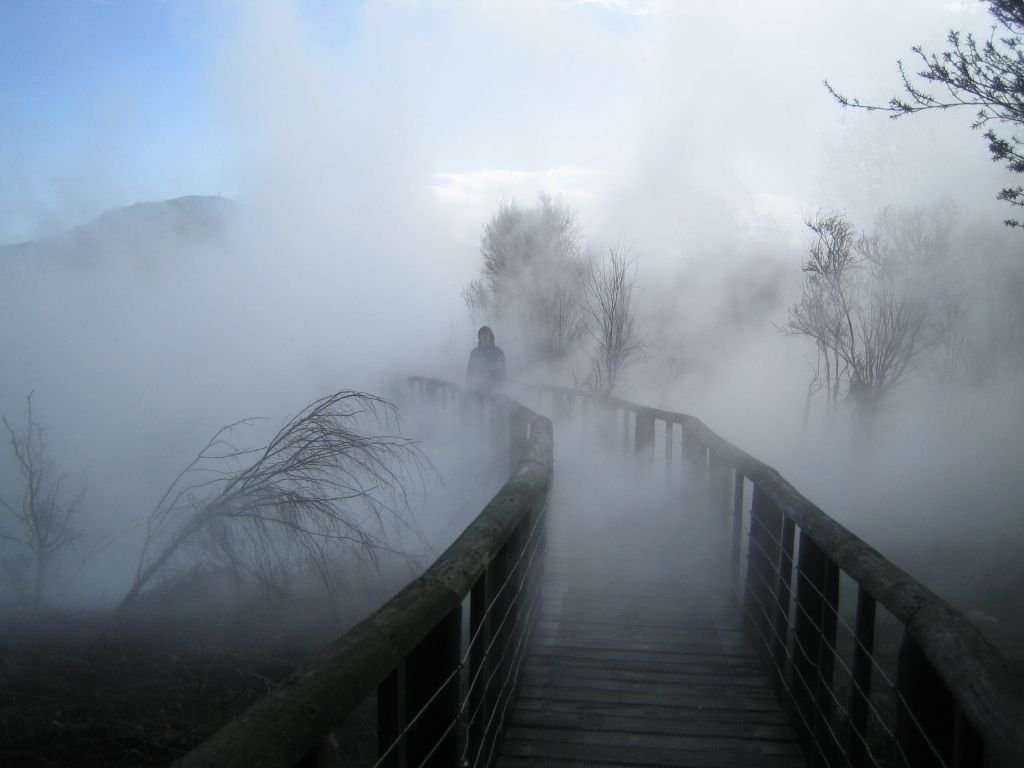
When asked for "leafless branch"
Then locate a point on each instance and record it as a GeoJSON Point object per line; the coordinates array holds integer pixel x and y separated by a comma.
{"type": "Point", "coordinates": [319, 484]}
{"type": "Point", "coordinates": [41, 520]}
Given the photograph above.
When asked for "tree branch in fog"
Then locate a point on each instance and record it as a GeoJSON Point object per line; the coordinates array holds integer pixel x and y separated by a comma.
{"type": "Point", "coordinates": [611, 317]}
{"type": "Point", "coordinates": [320, 487]}
{"type": "Point", "coordinates": [866, 305]}
{"type": "Point", "coordinates": [40, 520]}
{"type": "Point", "coordinates": [531, 277]}
{"type": "Point", "coordinates": [822, 313]}
{"type": "Point", "coordinates": [987, 76]}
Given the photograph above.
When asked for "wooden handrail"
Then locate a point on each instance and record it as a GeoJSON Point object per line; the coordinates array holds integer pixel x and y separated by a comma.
{"type": "Point", "coordinates": [294, 719]}
{"type": "Point", "coordinates": [986, 686]}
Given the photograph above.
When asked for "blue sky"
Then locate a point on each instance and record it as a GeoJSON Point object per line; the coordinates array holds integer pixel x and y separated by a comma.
{"type": "Point", "coordinates": [107, 102]}
{"type": "Point", "coordinates": [90, 91]}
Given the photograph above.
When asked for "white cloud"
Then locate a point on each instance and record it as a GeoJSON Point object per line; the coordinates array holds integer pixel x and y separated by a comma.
{"type": "Point", "coordinates": [628, 7]}
{"type": "Point", "coordinates": [575, 183]}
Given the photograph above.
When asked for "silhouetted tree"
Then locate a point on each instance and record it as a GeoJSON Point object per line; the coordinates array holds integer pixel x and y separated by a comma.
{"type": "Point", "coordinates": [40, 520]}
{"type": "Point", "coordinates": [611, 317]}
{"type": "Point", "coordinates": [868, 312]}
{"type": "Point", "coordinates": [822, 312]}
{"type": "Point", "coordinates": [319, 487]}
{"type": "Point", "coordinates": [987, 76]}
{"type": "Point", "coordinates": [532, 277]}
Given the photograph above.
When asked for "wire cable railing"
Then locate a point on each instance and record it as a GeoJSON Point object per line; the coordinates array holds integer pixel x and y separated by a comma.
{"type": "Point", "coordinates": [920, 688]}
{"type": "Point", "coordinates": [442, 658]}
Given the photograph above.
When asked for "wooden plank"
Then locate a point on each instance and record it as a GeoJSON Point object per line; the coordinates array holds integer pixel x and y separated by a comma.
{"type": "Point", "coordinates": [650, 721]}
{"type": "Point", "coordinates": [740, 719]}
{"type": "Point", "coordinates": [680, 742]}
{"type": "Point", "coordinates": [710, 754]}
{"type": "Point", "coordinates": [641, 659]}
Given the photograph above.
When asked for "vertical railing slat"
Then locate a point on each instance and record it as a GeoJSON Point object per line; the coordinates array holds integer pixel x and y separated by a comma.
{"type": "Point", "coordinates": [477, 664]}
{"type": "Point", "coordinates": [926, 714]}
{"type": "Point", "coordinates": [860, 690]}
{"type": "Point", "coordinates": [428, 667]}
{"type": "Point", "coordinates": [737, 528]}
{"type": "Point", "coordinates": [783, 589]}
{"type": "Point", "coordinates": [643, 435]}
{"type": "Point", "coordinates": [814, 653]}
{"type": "Point", "coordinates": [762, 570]}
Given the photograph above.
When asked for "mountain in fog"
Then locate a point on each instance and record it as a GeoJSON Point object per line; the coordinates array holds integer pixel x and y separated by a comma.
{"type": "Point", "coordinates": [144, 234]}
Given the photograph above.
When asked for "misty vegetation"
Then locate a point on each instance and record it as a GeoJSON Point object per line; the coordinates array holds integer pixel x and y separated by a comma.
{"type": "Point", "coordinates": [531, 277]}
{"type": "Point", "coordinates": [987, 76]}
{"type": "Point", "coordinates": [567, 308]}
{"type": "Point", "coordinates": [873, 352]}
{"type": "Point", "coordinates": [611, 319]}
{"type": "Point", "coordinates": [321, 488]}
{"type": "Point", "coordinates": [251, 559]}
{"type": "Point", "coordinates": [869, 304]}
{"type": "Point", "coordinates": [321, 491]}
{"type": "Point", "coordinates": [39, 521]}
{"type": "Point", "coordinates": [900, 301]}
{"type": "Point", "coordinates": [915, 305]}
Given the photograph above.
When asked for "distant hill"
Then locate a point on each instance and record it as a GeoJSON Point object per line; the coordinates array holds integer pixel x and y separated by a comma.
{"type": "Point", "coordinates": [145, 234]}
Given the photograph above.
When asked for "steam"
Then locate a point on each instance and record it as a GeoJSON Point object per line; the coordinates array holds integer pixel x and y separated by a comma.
{"type": "Point", "coordinates": [366, 146]}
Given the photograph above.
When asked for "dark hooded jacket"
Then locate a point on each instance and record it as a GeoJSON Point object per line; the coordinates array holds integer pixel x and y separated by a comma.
{"type": "Point", "coordinates": [486, 369]}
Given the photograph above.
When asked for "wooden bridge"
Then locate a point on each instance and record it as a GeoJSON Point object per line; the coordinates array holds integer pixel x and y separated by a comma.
{"type": "Point", "coordinates": [672, 601]}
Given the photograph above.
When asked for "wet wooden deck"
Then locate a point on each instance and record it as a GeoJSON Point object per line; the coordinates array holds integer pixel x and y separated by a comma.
{"type": "Point", "coordinates": [639, 658]}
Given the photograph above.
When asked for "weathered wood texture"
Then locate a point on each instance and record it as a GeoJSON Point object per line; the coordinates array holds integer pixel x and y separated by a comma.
{"type": "Point", "coordinates": [985, 701]}
{"type": "Point", "coordinates": [639, 658]}
{"type": "Point", "coordinates": [418, 627]}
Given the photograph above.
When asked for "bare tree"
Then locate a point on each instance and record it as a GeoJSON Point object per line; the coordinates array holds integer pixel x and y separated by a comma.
{"type": "Point", "coordinates": [318, 488]}
{"type": "Point", "coordinates": [40, 521]}
{"type": "Point", "coordinates": [531, 276]}
{"type": "Point", "coordinates": [611, 317]}
{"type": "Point", "coordinates": [871, 321]}
{"type": "Point", "coordinates": [915, 246]}
{"type": "Point", "coordinates": [986, 76]}
{"type": "Point", "coordinates": [822, 313]}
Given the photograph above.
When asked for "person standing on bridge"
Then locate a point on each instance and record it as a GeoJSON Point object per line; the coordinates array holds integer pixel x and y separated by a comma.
{"type": "Point", "coordinates": [486, 370]}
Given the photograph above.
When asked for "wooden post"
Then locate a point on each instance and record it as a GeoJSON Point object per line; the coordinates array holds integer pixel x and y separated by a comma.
{"type": "Point", "coordinates": [968, 746]}
{"type": "Point", "coordinates": [817, 598]}
{"type": "Point", "coordinates": [431, 740]}
{"type": "Point", "coordinates": [926, 715]}
{"type": "Point", "coordinates": [737, 529]}
{"type": "Point", "coordinates": [762, 571]}
{"type": "Point", "coordinates": [860, 690]}
{"type": "Point", "coordinates": [518, 436]}
{"type": "Point", "coordinates": [477, 666]}
{"type": "Point", "coordinates": [496, 638]}
{"type": "Point", "coordinates": [827, 661]}
{"type": "Point", "coordinates": [719, 492]}
{"type": "Point", "coordinates": [695, 473]}
{"type": "Point", "coordinates": [783, 595]}
{"type": "Point", "coordinates": [669, 445]}
{"type": "Point", "coordinates": [391, 718]}
{"type": "Point", "coordinates": [643, 441]}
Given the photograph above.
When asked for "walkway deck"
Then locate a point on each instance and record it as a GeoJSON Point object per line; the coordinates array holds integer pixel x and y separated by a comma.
{"type": "Point", "coordinates": [638, 659]}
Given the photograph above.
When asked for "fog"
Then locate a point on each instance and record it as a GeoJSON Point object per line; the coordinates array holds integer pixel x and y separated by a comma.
{"type": "Point", "coordinates": [361, 148]}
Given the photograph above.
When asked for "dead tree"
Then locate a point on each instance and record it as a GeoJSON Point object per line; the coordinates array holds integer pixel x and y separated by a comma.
{"type": "Point", "coordinates": [40, 521]}
{"type": "Point", "coordinates": [611, 317]}
{"type": "Point", "coordinates": [867, 312]}
{"type": "Point", "coordinates": [319, 488]}
{"type": "Point", "coordinates": [823, 311]}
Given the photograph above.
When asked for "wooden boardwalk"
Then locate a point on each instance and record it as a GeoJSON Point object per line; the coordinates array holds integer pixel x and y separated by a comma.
{"type": "Point", "coordinates": [639, 658]}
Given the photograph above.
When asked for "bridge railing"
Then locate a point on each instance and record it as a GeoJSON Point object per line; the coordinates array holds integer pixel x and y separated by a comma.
{"type": "Point", "coordinates": [442, 657]}
{"type": "Point", "coordinates": [874, 668]}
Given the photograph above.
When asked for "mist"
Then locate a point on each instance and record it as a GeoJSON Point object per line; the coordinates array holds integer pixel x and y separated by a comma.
{"type": "Point", "coordinates": [272, 201]}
